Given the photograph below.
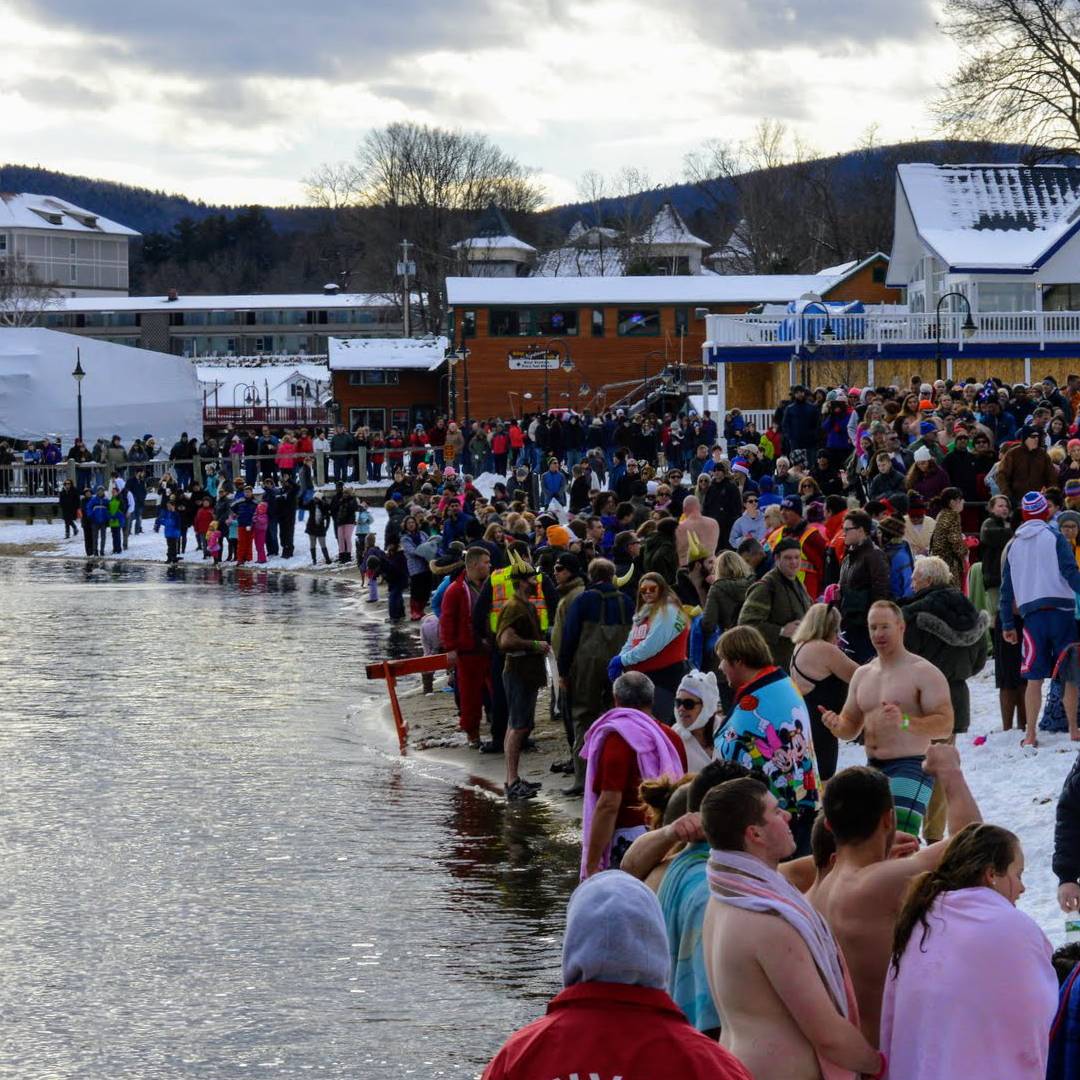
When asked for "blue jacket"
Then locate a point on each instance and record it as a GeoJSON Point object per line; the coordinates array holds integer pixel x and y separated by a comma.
{"type": "Point", "coordinates": [453, 530]}
{"type": "Point", "coordinates": [97, 510]}
{"type": "Point", "coordinates": [244, 509]}
{"type": "Point", "coordinates": [901, 564]}
{"type": "Point", "coordinates": [553, 486]}
{"type": "Point", "coordinates": [171, 522]}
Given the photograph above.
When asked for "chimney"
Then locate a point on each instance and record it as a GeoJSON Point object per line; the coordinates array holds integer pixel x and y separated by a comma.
{"type": "Point", "coordinates": [172, 297]}
{"type": "Point", "coordinates": [330, 289]}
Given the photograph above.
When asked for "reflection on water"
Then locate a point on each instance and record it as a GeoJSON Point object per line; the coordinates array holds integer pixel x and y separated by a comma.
{"type": "Point", "coordinates": [210, 866]}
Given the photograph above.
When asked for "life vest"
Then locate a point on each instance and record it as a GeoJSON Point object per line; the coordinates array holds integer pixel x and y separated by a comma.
{"type": "Point", "coordinates": [502, 590]}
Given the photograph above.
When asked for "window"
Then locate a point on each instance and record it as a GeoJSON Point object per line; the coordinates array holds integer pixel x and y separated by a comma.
{"type": "Point", "coordinates": [299, 390]}
{"type": "Point", "coordinates": [369, 418]}
{"type": "Point", "coordinates": [557, 322]}
{"type": "Point", "coordinates": [597, 322]}
{"type": "Point", "coordinates": [374, 377]}
{"type": "Point", "coordinates": [74, 274]}
{"type": "Point", "coordinates": [682, 321]}
{"type": "Point", "coordinates": [508, 322]}
{"type": "Point", "coordinates": [468, 323]}
{"type": "Point", "coordinates": [1005, 296]}
{"type": "Point", "coordinates": [399, 418]}
{"type": "Point", "coordinates": [878, 275]}
{"type": "Point", "coordinates": [639, 322]}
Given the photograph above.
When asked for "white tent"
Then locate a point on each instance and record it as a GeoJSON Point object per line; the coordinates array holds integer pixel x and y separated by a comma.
{"type": "Point", "coordinates": [126, 392]}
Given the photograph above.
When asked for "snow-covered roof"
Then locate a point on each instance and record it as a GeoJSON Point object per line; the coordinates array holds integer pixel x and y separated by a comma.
{"type": "Point", "coordinates": [992, 217]}
{"type": "Point", "coordinates": [840, 269]}
{"type": "Point", "coordinates": [668, 227]}
{"type": "Point", "coordinates": [659, 289]}
{"type": "Point", "coordinates": [229, 382]}
{"type": "Point", "coordinates": [489, 243]}
{"type": "Point", "coordinates": [420, 354]}
{"type": "Point", "coordinates": [23, 210]}
{"type": "Point", "coordinates": [237, 302]}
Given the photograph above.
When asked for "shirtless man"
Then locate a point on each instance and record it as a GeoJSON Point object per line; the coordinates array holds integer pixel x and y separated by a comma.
{"type": "Point", "coordinates": [901, 702]}
{"type": "Point", "coordinates": [776, 1014]}
{"type": "Point", "coordinates": [861, 896]}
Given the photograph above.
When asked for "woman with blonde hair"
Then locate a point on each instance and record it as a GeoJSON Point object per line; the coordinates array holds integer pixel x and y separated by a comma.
{"type": "Point", "coordinates": [658, 643]}
{"type": "Point", "coordinates": [821, 670]}
{"type": "Point", "coordinates": [962, 949]}
{"type": "Point", "coordinates": [732, 577]}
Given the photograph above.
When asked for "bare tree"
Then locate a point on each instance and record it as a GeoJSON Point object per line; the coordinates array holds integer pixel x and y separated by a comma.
{"type": "Point", "coordinates": [24, 297]}
{"type": "Point", "coordinates": [1020, 77]}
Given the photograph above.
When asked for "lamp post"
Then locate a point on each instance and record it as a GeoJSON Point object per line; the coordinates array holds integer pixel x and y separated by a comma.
{"type": "Point", "coordinates": [78, 375]}
{"type": "Point", "coordinates": [451, 404]}
{"type": "Point", "coordinates": [810, 342]}
{"type": "Point", "coordinates": [557, 345]}
{"type": "Point", "coordinates": [568, 366]}
{"type": "Point", "coordinates": [463, 356]}
{"type": "Point", "coordinates": [967, 329]}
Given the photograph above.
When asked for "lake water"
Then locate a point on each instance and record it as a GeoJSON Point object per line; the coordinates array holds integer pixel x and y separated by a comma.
{"type": "Point", "coordinates": [213, 861]}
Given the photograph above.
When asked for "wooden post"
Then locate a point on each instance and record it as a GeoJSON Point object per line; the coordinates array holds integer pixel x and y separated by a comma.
{"type": "Point", "coordinates": [390, 671]}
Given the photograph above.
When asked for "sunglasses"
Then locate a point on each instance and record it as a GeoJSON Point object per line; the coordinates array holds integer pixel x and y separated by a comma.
{"type": "Point", "coordinates": [686, 703]}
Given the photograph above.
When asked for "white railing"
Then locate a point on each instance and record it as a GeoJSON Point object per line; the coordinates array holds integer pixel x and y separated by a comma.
{"type": "Point", "coordinates": [891, 328]}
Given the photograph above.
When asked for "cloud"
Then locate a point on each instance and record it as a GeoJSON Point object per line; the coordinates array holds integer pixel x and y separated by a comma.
{"type": "Point", "coordinates": [62, 92]}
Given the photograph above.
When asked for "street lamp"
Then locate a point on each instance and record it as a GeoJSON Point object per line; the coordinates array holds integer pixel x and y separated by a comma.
{"type": "Point", "coordinates": [810, 343]}
{"type": "Point", "coordinates": [556, 344]}
{"type": "Point", "coordinates": [78, 375]}
{"type": "Point", "coordinates": [452, 360]}
{"type": "Point", "coordinates": [967, 329]}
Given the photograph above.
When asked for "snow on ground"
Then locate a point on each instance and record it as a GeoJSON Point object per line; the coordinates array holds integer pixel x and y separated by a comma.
{"type": "Point", "coordinates": [1016, 790]}
{"type": "Point", "coordinates": [149, 546]}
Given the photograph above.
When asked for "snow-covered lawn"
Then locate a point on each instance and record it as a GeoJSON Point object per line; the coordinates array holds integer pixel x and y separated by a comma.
{"type": "Point", "coordinates": [1016, 790]}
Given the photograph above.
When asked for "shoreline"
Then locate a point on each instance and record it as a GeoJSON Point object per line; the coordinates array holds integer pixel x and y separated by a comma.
{"type": "Point", "coordinates": [435, 736]}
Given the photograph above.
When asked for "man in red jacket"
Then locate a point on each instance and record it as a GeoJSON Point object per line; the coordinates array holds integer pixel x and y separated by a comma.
{"type": "Point", "coordinates": [465, 653]}
{"type": "Point", "coordinates": [614, 1018]}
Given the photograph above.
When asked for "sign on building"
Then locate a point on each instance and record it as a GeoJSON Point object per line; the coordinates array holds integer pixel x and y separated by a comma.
{"type": "Point", "coordinates": [532, 360]}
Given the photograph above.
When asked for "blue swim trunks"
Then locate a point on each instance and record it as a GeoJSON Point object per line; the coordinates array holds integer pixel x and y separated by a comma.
{"type": "Point", "coordinates": [1047, 634]}
{"type": "Point", "coordinates": [911, 790]}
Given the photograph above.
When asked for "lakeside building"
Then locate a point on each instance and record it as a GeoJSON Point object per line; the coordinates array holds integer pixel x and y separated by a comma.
{"type": "Point", "coordinates": [75, 251]}
{"type": "Point", "coordinates": [295, 325]}
{"type": "Point", "coordinates": [987, 261]}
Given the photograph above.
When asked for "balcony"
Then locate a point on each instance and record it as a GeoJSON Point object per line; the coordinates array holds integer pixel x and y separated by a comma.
{"type": "Point", "coordinates": [227, 416]}
{"type": "Point", "coordinates": [892, 332]}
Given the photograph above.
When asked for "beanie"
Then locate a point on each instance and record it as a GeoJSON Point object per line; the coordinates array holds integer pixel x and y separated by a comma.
{"type": "Point", "coordinates": [1072, 489]}
{"type": "Point", "coordinates": [922, 454]}
{"type": "Point", "coordinates": [741, 465]}
{"type": "Point", "coordinates": [558, 536]}
{"type": "Point", "coordinates": [1034, 505]}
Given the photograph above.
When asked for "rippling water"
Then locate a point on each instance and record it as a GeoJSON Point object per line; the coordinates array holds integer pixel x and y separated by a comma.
{"type": "Point", "coordinates": [212, 860]}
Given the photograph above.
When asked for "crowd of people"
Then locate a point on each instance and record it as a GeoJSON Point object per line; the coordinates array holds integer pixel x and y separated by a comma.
{"type": "Point", "coordinates": [713, 624]}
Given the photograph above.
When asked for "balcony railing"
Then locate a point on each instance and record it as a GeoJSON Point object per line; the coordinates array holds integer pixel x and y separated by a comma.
{"type": "Point", "coordinates": [892, 328]}
{"type": "Point", "coordinates": [246, 415]}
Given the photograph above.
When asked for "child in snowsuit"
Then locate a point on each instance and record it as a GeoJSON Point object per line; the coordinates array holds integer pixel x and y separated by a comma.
{"type": "Point", "coordinates": [259, 528]}
{"type": "Point", "coordinates": [213, 543]}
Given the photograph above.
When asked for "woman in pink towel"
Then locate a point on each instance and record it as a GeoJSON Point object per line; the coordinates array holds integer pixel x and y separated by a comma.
{"type": "Point", "coordinates": [972, 990]}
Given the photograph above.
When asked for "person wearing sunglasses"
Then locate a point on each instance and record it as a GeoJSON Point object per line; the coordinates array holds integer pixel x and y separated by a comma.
{"type": "Point", "coordinates": [696, 703]}
{"type": "Point", "coordinates": [750, 523]}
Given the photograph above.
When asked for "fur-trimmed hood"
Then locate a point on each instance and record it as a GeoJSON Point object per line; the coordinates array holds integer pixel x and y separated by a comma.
{"type": "Point", "coordinates": [963, 639]}
{"type": "Point", "coordinates": [947, 614]}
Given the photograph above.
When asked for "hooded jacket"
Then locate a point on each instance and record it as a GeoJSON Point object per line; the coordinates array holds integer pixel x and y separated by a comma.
{"type": "Point", "coordinates": [1040, 572]}
{"type": "Point", "coordinates": [615, 1016]}
{"type": "Point", "coordinates": [1023, 470]}
{"type": "Point", "coordinates": [944, 627]}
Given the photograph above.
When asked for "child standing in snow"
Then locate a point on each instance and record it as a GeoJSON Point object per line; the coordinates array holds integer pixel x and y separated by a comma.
{"type": "Point", "coordinates": [203, 516]}
{"type": "Point", "coordinates": [365, 523]}
{"type": "Point", "coordinates": [259, 529]}
{"type": "Point", "coordinates": [371, 562]}
{"type": "Point", "coordinates": [395, 572]}
{"type": "Point", "coordinates": [234, 533]}
{"type": "Point", "coordinates": [213, 543]}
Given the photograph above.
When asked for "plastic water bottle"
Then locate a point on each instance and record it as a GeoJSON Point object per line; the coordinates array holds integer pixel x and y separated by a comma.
{"type": "Point", "coordinates": [1072, 929]}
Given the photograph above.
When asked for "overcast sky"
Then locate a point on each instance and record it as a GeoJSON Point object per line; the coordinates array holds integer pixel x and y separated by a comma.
{"type": "Point", "coordinates": [234, 101]}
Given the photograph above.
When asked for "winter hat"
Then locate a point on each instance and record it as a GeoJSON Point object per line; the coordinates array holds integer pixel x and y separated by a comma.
{"type": "Point", "coordinates": [927, 427]}
{"type": "Point", "coordinates": [1027, 431]}
{"type": "Point", "coordinates": [922, 454]}
{"type": "Point", "coordinates": [569, 561]}
{"type": "Point", "coordinates": [1071, 443]}
{"type": "Point", "coordinates": [1034, 505]}
{"type": "Point", "coordinates": [792, 503]}
{"type": "Point", "coordinates": [449, 471]}
{"type": "Point", "coordinates": [741, 465]}
{"type": "Point", "coordinates": [615, 933]}
{"type": "Point", "coordinates": [916, 501]}
{"type": "Point", "coordinates": [892, 528]}
{"type": "Point", "coordinates": [702, 686]}
{"type": "Point", "coordinates": [1072, 489]}
{"type": "Point", "coordinates": [558, 536]}
{"type": "Point", "coordinates": [960, 431]}
{"type": "Point", "coordinates": [766, 483]}
{"type": "Point", "coordinates": [1069, 515]}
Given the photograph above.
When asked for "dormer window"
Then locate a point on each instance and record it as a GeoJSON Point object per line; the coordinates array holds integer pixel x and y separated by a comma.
{"type": "Point", "coordinates": [49, 216]}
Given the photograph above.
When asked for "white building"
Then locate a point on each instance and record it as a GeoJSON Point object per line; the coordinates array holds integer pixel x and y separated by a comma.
{"type": "Point", "coordinates": [76, 251]}
{"type": "Point", "coordinates": [493, 250]}
{"type": "Point", "coordinates": [1004, 236]}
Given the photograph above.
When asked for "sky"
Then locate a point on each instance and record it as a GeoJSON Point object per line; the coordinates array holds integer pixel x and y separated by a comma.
{"type": "Point", "coordinates": [236, 101]}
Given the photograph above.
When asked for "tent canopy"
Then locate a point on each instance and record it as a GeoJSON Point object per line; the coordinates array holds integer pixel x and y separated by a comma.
{"type": "Point", "coordinates": [126, 392]}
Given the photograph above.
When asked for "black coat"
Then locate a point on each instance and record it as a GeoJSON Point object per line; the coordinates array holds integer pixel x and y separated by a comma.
{"type": "Point", "coordinates": [69, 503]}
{"type": "Point", "coordinates": [1066, 861]}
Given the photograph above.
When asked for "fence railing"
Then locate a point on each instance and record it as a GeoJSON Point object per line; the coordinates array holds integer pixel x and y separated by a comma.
{"type": "Point", "coordinates": [276, 415]}
{"type": "Point", "coordinates": [893, 327]}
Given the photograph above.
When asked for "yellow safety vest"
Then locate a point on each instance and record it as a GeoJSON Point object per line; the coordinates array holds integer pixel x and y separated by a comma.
{"type": "Point", "coordinates": [501, 591]}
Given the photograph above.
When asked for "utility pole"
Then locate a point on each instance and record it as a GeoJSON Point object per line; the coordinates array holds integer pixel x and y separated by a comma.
{"type": "Point", "coordinates": [405, 270]}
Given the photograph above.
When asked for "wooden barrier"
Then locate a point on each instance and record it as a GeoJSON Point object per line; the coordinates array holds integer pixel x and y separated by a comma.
{"type": "Point", "coordinates": [391, 670]}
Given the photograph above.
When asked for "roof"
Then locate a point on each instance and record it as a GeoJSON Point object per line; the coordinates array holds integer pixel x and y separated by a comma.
{"type": "Point", "coordinates": [992, 217]}
{"type": "Point", "coordinates": [23, 210]}
{"type": "Point", "coordinates": [490, 243]}
{"type": "Point", "coordinates": [357, 354]}
{"type": "Point", "coordinates": [668, 227]}
{"type": "Point", "coordinates": [660, 289]}
{"type": "Point", "coordinates": [227, 379]}
{"type": "Point", "coordinates": [226, 302]}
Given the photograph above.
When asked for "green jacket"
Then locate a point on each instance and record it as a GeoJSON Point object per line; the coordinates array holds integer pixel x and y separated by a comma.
{"type": "Point", "coordinates": [660, 557]}
{"type": "Point", "coordinates": [770, 605]}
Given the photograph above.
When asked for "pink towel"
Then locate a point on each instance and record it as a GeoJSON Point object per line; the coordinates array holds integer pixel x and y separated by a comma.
{"type": "Point", "coordinates": [742, 881]}
{"type": "Point", "coordinates": [977, 998]}
{"type": "Point", "coordinates": [656, 755]}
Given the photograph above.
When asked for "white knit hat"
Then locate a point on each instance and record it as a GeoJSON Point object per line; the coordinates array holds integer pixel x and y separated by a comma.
{"type": "Point", "coordinates": [702, 686]}
{"type": "Point", "coordinates": [922, 454]}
